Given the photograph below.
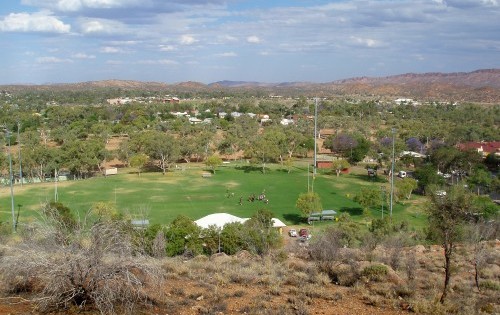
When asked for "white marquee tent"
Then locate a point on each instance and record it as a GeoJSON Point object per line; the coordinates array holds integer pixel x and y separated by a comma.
{"type": "Point", "coordinates": [221, 219]}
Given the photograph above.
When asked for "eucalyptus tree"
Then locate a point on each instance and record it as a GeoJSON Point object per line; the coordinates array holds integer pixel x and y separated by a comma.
{"type": "Point", "coordinates": [163, 148]}
{"type": "Point", "coordinates": [83, 158]}
{"type": "Point", "coordinates": [447, 217]}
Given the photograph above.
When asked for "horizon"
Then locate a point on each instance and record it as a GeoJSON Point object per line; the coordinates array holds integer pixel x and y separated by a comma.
{"type": "Point", "coordinates": [207, 41]}
{"type": "Point", "coordinates": [249, 82]}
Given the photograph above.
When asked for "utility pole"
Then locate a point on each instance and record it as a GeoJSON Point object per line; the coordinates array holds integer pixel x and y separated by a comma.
{"type": "Point", "coordinates": [392, 172]}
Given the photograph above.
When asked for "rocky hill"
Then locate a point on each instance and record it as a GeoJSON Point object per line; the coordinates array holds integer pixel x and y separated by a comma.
{"type": "Point", "coordinates": [477, 86]}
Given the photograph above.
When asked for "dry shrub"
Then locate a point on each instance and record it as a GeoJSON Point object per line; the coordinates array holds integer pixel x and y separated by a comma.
{"type": "Point", "coordinates": [297, 278]}
{"type": "Point", "coordinates": [373, 300]}
{"type": "Point", "coordinates": [93, 268]}
{"type": "Point", "coordinates": [490, 285]}
{"type": "Point", "coordinates": [297, 265]}
{"type": "Point", "coordinates": [316, 291]}
{"type": "Point", "coordinates": [242, 276]}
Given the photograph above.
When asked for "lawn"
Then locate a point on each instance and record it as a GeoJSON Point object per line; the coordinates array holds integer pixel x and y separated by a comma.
{"type": "Point", "coordinates": [163, 197]}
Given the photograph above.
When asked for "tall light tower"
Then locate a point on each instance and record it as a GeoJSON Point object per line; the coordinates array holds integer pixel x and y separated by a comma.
{"type": "Point", "coordinates": [315, 134]}
{"type": "Point", "coordinates": [11, 179]}
{"type": "Point", "coordinates": [19, 150]}
{"type": "Point", "coordinates": [392, 172]}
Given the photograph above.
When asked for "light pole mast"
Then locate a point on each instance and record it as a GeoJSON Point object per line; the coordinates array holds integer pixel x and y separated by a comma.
{"type": "Point", "coordinates": [19, 149]}
{"type": "Point", "coordinates": [315, 134]}
{"type": "Point", "coordinates": [14, 224]}
{"type": "Point", "coordinates": [392, 172]}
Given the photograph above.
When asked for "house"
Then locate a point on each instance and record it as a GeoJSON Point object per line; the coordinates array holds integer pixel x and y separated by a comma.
{"type": "Point", "coordinates": [484, 148]}
{"type": "Point", "coordinates": [407, 101]}
{"type": "Point", "coordinates": [413, 154]}
{"type": "Point", "coordinates": [324, 164]}
{"type": "Point", "coordinates": [194, 120]}
{"type": "Point", "coordinates": [179, 114]}
{"type": "Point", "coordinates": [286, 121]}
{"type": "Point", "coordinates": [325, 133]}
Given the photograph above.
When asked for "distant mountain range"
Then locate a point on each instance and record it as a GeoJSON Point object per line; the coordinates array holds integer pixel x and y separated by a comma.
{"type": "Point", "coordinates": [477, 86]}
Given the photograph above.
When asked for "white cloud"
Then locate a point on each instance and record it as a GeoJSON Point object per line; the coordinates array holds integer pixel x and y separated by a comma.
{"type": "Point", "coordinates": [124, 42]}
{"type": "Point", "coordinates": [158, 62]}
{"type": "Point", "coordinates": [83, 56]}
{"type": "Point", "coordinates": [101, 26]}
{"type": "Point", "coordinates": [77, 5]}
{"type": "Point", "coordinates": [227, 54]}
{"type": "Point", "coordinates": [366, 42]}
{"type": "Point", "coordinates": [188, 40]}
{"type": "Point", "coordinates": [111, 50]}
{"type": "Point", "coordinates": [253, 39]}
{"type": "Point", "coordinates": [37, 22]}
{"type": "Point", "coordinates": [226, 38]}
{"type": "Point", "coordinates": [52, 60]}
{"type": "Point", "coordinates": [167, 48]}
{"type": "Point", "coordinates": [114, 62]}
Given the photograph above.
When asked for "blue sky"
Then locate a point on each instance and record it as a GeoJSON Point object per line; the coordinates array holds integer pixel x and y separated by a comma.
{"type": "Point", "coordinates": [59, 41]}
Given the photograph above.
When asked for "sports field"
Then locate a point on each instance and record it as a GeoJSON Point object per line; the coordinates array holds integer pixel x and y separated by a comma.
{"type": "Point", "coordinates": [163, 197]}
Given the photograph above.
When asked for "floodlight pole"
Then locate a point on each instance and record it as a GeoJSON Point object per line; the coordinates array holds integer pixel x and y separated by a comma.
{"type": "Point", "coordinates": [392, 172]}
{"type": "Point", "coordinates": [308, 174]}
{"type": "Point", "coordinates": [19, 150]}
{"type": "Point", "coordinates": [14, 224]}
{"type": "Point", "coordinates": [382, 188]}
{"type": "Point", "coordinates": [56, 176]}
{"type": "Point", "coordinates": [315, 134]}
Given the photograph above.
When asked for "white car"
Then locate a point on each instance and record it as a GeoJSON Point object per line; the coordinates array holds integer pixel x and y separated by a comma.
{"type": "Point", "coordinates": [292, 233]}
{"type": "Point", "coordinates": [441, 193]}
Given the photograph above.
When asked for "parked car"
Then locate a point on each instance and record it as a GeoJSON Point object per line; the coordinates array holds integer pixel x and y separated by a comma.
{"type": "Point", "coordinates": [292, 233]}
{"type": "Point", "coordinates": [304, 234]}
{"type": "Point", "coordinates": [440, 193]}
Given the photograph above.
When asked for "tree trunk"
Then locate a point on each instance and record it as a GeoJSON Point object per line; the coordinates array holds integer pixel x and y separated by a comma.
{"type": "Point", "coordinates": [448, 251]}
{"type": "Point", "coordinates": [476, 274]}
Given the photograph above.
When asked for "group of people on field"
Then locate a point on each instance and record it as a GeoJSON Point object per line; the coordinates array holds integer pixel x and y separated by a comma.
{"type": "Point", "coordinates": [261, 197]}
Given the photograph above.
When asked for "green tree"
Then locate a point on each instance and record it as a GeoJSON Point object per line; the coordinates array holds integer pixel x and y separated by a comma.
{"type": "Point", "coordinates": [162, 147]}
{"type": "Point", "coordinates": [139, 161]}
{"type": "Point", "coordinates": [213, 162]}
{"type": "Point", "coordinates": [183, 235]}
{"type": "Point", "coordinates": [360, 150]}
{"type": "Point", "coordinates": [447, 215]}
{"type": "Point", "coordinates": [427, 176]}
{"type": "Point", "coordinates": [368, 198]}
{"type": "Point", "coordinates": [231, 238]}
{"type": "Point", "coordinates": [486, 207]}
{"type": "Point", "coordinates": [84, 157]}
{"type": "Point", "coordinates": [211, 237]}
{"type": "Point", "coordinates": [405, 187]}
{"type": "Point", "coordinates": [308, 203]}
{"type": "Point", "coordinates": [338, 165]}
{"type": "Point", "coordinates": [261, 236]}
{"type": "Point", "coordinates": [264, 149]}
{"type": "Point", "coordinates": [480, 178]}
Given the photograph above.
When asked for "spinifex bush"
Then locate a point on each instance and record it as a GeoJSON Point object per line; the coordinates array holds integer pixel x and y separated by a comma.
{"type": "Point", "coordinates": [375, 272]}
